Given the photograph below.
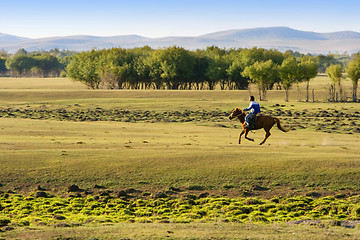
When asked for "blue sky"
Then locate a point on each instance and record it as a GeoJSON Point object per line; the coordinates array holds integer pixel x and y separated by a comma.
{"type": "Point", "coordinates": [158, 18]}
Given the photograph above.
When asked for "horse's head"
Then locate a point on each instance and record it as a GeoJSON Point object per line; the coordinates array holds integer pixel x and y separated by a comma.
{"type": "Point", "coordinates": [235, 113]}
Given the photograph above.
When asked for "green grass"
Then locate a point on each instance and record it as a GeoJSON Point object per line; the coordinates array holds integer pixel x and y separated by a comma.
{"type": "Point", "coordinates": [18, 210]}
{"type": "Point", "coordinates": [159, 155]}
{"type": "Point", "coordinates": [218, 217]}
{"type": "Point", "coordinates": [187, 231]}
{"type": "Point", "coordinates": [184, 142]}
{"type": "Point", "coordinates": [62, 91]}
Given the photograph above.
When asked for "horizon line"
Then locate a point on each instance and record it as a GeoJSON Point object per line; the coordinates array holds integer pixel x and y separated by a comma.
{"type": "Point", "coordinates": [109, 36]}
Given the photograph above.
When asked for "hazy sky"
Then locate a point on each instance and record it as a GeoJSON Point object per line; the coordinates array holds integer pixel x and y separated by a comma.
{"type": "Point", "coordinates": [158, 18]}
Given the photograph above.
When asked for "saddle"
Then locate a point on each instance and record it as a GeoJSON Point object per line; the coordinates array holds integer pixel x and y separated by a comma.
{"type": "Point", "coordinates": [252, 122]}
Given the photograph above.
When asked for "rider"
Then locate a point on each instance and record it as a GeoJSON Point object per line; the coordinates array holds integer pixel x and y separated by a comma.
{"type": "Point", "coordinates": [254, 109]}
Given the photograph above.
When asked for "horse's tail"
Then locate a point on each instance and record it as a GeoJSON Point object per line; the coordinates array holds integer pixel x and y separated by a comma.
{"type": "Point", "coordinates": [279, 125]}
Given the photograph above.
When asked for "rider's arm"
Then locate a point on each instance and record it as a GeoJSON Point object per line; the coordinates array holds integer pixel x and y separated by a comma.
{"type": "Point", "coordinates": [250, 107]}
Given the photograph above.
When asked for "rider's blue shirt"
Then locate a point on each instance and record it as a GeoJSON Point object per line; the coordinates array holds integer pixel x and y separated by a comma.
{"type": "Point", "coordinates": [253, 105]}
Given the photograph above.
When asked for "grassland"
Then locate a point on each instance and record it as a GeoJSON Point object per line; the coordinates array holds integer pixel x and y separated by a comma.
{"type": "Point", "coordinates": [173, 145]}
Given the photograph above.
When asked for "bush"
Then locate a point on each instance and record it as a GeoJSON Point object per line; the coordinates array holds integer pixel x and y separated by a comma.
{"type": "Point", "coordinates": [196, 187]}
{"type": "Point", "coordinates": [253, 201]}
{"type": "Point", "coordinates": [4, 222]}
{"type": "Point", "coordinates": [355, 213]}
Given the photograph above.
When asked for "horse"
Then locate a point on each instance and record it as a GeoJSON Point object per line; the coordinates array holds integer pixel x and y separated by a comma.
{"type": "Point", "coordinates": [266, 122]}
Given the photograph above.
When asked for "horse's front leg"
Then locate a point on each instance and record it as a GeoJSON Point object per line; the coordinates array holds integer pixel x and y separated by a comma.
{"type": "Point", "coordinates": [246, 133]}
{"type": "Point", "coordinates": [242, 132]}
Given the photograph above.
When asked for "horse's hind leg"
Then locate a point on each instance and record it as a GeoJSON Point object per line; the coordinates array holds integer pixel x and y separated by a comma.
{"type": "Point", "coordinates": [266, 137]}
{"type": "Point", "coordinates": [246, 133]}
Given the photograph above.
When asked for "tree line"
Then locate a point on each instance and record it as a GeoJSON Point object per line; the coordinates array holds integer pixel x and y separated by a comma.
{"type": "Point", "coordinates": [35, 64]}
{"type": "Point", "coordinates": [335, 73]}
{"type": "Point", "coordinates": [177, 68]}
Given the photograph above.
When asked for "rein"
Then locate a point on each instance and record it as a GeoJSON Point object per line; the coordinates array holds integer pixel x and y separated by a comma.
{"type": "Point", "coordinates": [240, 116]}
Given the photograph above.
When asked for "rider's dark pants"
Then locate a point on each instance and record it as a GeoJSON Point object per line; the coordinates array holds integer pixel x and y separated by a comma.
{"type": "Point", "coordinates": [247, 118]}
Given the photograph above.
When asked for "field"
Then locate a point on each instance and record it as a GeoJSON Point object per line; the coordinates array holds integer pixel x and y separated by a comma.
{"type": "Point", "coordinates": [81, 164]}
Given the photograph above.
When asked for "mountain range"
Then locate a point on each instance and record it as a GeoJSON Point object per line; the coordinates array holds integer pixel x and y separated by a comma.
{"type": "Point", "coordinates": [281, 38]}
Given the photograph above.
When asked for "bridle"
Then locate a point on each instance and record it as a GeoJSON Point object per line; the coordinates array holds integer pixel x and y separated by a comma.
{"type": "Point", "coordinates": [238, 114]}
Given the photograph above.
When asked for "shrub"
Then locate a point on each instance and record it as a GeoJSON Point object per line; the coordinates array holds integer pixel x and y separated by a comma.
{"type": "Point", "coordinates": [267, 207]}
{"type": "Point", "coordinates": [195, 187]}
{"type": "Point", "coordinates": [228, 186]}
{"type": "Point", "coordinates": [355, 213]}
{"type": "Point", "coordinates": [253, 201]}
{"type": "Point", "coordinates": [4, 222]}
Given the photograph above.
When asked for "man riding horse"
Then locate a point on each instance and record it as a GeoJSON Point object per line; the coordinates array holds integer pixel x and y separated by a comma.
{"type": "Point", "coordinates": [265, 122]}
{"type": "Point", "coordinates": [254, 109]}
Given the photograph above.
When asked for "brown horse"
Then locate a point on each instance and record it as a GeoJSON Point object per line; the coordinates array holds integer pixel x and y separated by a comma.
{"type": "Point", "coordinates": [266, 122]}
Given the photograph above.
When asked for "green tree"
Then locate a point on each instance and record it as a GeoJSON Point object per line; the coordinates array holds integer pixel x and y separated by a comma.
{"type": "Point", "coordinates": [64, 61]}
{"type": "Point", "coordinates": [21, 52]}
{"type": "Point", "coordinates": [335, 74]}
{"type": "Point", "coordinates": [249, 56]}
{"type": "Point", "coordinates": [153, 65]}
{"type": "Point", "coordinates": [216, 72]}
{"type": "Point", "coordinates": [3, 68]}
{"type": "Point", "coordinates": [353, 71]}
{"type": "Point", "coordinates": [110, 68]}
{"type": "Point", "coordinates": [292, 53]}
{"type": "Point", "coordinates": [202, 63]}
{"type": "Point", "coordinates": [4, 54]}
{"type": "Point", "coordinates": [308, 70]}
{"type": "Point", "coordinates": [48, 65]}
{"type": "Point", "coordinates": [325, 61]}
{"type": "Point", "coordinates": [20, 64]}
{"type": "Point", "coordinates": [276, 56]}
{"type": "Point", "coordinates": [234, 71]}
{"type": "Point", "coordinates": [84, 68]}
{"type": "Point", "coordinates": [264, 74]}
{"type": "Point", "coordinates": [289, 73]}
{"type": "Point", "coordinates": [175, 65]}
{"type": "Point", "coordinates": [141, 67]}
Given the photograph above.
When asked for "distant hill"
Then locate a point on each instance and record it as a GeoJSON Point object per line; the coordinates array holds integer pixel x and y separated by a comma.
{"type": "Point", "coordinates": [281, 38]}
{"type": "Point", "coordinates": [8, 39]}
{"type": "Point", "coordinates": [268, 34]}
